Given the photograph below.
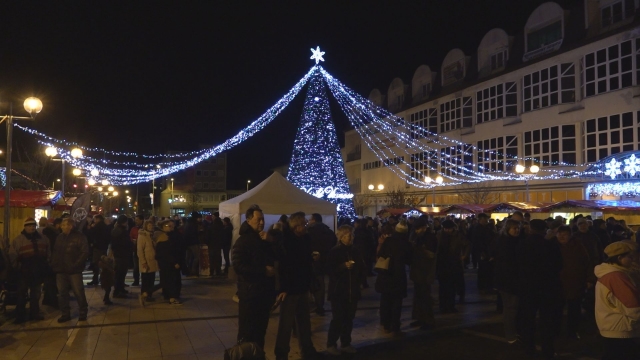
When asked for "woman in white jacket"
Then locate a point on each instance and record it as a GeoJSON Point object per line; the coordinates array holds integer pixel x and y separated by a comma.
{"type": "Point", "coordinates": [618, 303]}
{"type": "Point", "coordinates": [147, 261]}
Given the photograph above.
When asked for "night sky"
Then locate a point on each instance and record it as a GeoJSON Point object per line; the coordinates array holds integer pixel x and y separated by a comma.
{"type": "Point", "coordinates": [153, 76]}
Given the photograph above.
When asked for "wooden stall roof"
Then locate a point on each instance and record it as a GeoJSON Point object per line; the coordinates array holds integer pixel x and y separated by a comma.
{"type": "Point", "coordinates": [30, 198]}
{"type": "Point", "coordinates": [599, 205]}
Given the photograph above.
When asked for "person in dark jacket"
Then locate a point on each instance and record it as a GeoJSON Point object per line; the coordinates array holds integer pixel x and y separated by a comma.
{"type": "Point", "coordinates": [169, 261]}
{"type": "Point", "coordinates": [392, 284]}
{"type": "Point", "coordinates": [49, 288]}
{"type": "Point", "coordinates": [451, 252]}
{"type": "Point", "coordinates": [365, 243]}
{"type": "Point", "coordinates": [226, 243]}
{"type": "Point", "coordinates": [29, 253]}
{"type": "Point", "coordinates": [193, 233]}
{"type": "Point", "coordinates": [67, 261]}
{"type": "Point", "coordinates": [504, 256]}
{"type": "Point", "coordinates": [422, 272]}
{"type": "Point", "coordinates": [482, 237]}
{"type": "Point", "coordinates": [345, 267]}
{"type": "Point", "coordinates": [576, 276]}
{"type": "Point", "coordinates": [540, 289]}
{"type": "Point", "coordinates": [322, 240]}
{"type": "Point", "coordinates": [590, 241]}
{"type": "Point", "coordinates": [296, 274]}
{"type": "Point", "coordinates": [122, 253]}
{"type": "Point", "coordinates": [253, 263]}
{"type": "Point", "coordinates": [214, 239]}
{"type": "Point", "coordinates": [99, 235]}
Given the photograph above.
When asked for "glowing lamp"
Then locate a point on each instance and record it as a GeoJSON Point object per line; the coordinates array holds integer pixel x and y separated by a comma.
{"type": "Point", "coordinates": [33, 105]}
{"type": "Point", "coordinates": [77, 172]}
{"type": "Point", "coordinates": [76, 153]}
{"type": "Point", "coordinates": [51, 151]}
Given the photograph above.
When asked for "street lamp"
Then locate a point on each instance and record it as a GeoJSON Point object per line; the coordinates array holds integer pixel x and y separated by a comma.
{"type": "Point", "coordinates": [53, 152]}
{"type": "Point", "coordinates": [248, 182]}
{"type": "Point", "coordinates": [171, 202]}
{"type": "Point", "coordinates": [437, 181]}
{"type": "Point", "coordinates": [77, 172]}
{"type": "Point", "coordinates": [533, 170]}
{"type": "Point", "coordinates": [373, 188]}
{"type": "Point", "coordinates": [33, 106]}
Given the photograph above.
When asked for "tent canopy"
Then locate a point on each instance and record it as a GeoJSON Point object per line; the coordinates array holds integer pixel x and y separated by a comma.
{"type": "Point", "coordinates": [31, 198]}
{"type": "Point", "coordinates": [276, 196]}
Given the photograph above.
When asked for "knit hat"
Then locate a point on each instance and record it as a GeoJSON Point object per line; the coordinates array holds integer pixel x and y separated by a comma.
{"type": "Point", "coordinates": [448, 224]}
{"type": "Point", "coordinates": [402, 227]}
{"type": "Point", "coordinates": [30, 221]}
{"type": "Point", "coordinates": [617, 248]}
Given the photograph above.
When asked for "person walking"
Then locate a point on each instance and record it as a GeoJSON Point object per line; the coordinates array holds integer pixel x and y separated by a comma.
{"type": "Point", "coordinates": [148, 263]}
{"type": "Point", "coordinates": [29, 253]}
{"type": "Point", "coordinates": [345, 267]}
{"type": "Point", "coordinates": [618, 303]}
{"type": "Point", "coordinates": [107, 277]}
{"type": "Point", "coordinates": [67, 260]}
{"type": "Point", "coordinates": [253, 262]}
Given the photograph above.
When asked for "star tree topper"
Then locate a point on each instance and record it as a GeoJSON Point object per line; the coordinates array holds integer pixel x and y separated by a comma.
{"type": "Point", "coordinates": [317, 55]}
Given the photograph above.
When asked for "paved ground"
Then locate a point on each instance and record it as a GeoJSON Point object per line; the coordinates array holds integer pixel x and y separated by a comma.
{"type": "Point", "coordinates": [207, 323]}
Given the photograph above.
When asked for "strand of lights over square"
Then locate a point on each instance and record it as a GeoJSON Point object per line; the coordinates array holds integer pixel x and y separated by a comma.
{"type": "Point", "coordinates": [373, 123]}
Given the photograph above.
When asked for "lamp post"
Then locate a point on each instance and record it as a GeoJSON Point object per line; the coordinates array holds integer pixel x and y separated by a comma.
{"type": "Point", "coordinates": [33, 106]}
{"type": "Point", "coordinates": [378, 189]}
{"type": "Point", "coordinates": [53, 152]}
{"type": "Point", "coordinates": [533, 170]}
{"type": "Point", "coordinates": [171, 202]}
{"type": "Point", "coordinates": [437, 181]}
{"type": "Point", "coordinates": [248, 182]}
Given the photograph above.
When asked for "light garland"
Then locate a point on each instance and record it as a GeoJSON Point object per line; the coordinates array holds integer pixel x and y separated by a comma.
{"type": "Point", "coordinates": [614, 189]}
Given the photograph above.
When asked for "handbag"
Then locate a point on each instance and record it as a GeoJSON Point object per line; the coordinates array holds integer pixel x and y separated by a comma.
{"type": "Point", "coordinates": [382, 264]}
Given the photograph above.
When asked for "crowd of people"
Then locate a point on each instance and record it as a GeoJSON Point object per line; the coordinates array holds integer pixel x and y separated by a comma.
{"type": "Point", "coordinates": [535, 268]}
{"type": "Point", "coordinates": [51, 258]}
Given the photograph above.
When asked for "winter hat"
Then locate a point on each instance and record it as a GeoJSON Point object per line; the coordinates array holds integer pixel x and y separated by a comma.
{"type": "Point", "coordinates": [402, 227]}
{"type": "Point", "coordinates": [631, 243]}
{"type": "Point", "coordinates": [30, 221]}
{"type": "Point", "coordinates": [617, 248]}
{"type": "Point", "coordinates": [448, 224]}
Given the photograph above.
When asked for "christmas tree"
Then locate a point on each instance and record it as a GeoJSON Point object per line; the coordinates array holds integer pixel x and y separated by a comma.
{"type": "Point", "coordinates": [316, 164]}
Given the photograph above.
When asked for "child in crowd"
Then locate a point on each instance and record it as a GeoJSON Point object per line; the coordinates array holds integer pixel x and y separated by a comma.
{"type": "Point", "coordinates": [107, 277]}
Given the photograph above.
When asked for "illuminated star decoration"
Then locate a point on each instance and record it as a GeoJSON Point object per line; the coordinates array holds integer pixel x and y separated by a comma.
{"type": "Point", "coordinates": [632, 165]}
{"type": "Point", "coordinates": [317, 55]}
{"type": "Point", "coordinates": [613, 168]}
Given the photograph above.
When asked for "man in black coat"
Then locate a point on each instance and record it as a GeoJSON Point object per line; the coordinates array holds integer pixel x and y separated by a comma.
{"type": "Point", "coordinates": [99, 236]}
{"type": "Point", "coordinates": [296, 274]}
{"type": "Point", "coordinates": [363, 241]}
{"type": "Point", "coordinates": [540, 262]}
{"type": "Point", "coordinates": [482, 235]}
{"type": "Point", "coordinates": [49, 287]}
{"type": "Point", "coordinates": [122, 252]}
{"type": "Point", "coordinates": [253, 262]}
{"type": "Point", "coordinates": [214, 238]}
{"type": "Point", "coordinates": [322, 240]}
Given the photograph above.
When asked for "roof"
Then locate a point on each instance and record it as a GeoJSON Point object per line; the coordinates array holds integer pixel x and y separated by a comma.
{"type": "Point", "coordinates": [600, 205]}
{"type": "Point", "coordinates": [34, 199]}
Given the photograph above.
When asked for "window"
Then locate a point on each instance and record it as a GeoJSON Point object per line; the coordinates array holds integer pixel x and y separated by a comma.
{"type": "Point", "coordinates": [423, 164]}
{"type": "Point", "coordinates": [550, 146]}
{"type": "Point", "coordinates": [206, 173]}
{"type": "Point", "coordinates": [425, 119]}
{"type": "Point", "coordinates": [549, 87]}
{"type": "Point", "coordinates": [456, 160]}
{"type": "Point", "coordinates": [497, 102]}
{"type": "Point", "coordinates": [371, 165]}
{"type": "Point", "coordinates": [198, 185]}
{"type": "Point", "coordinates": [544, 36]}
{"type": "Point", "coordinates": [608, 135]}
{"type": "Point", "coordinates": [608, 69]}
{"type": "Point", "coordinates": [426, 89]}
{"type": "Point", "coordinates": [400, 101]}
{"type": "Point", "coordinates": [456, 114]}
{"type": "Point", "coordinates": [214, 161]}
{"type": "Point", "coordinates": [497, 154]}
{"type": "Point", "coordinates": [220, 173]}
{"type": "Point", "coordinates": [198, 173]}
{"type": "Point", "coordinates": [617, 12]}
{"type": "Point", "coordinates": [499, 60]}
{"type": "Point", "coordinates": [395, 161]}
{"type": "Point", "coordinates": [205, 185]}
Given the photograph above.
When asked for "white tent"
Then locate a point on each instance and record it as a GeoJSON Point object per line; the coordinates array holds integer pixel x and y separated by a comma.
{"type": "Point", "coordinates": [276, 196]}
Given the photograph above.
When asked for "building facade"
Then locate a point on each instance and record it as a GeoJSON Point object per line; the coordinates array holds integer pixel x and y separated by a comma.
{"type": "Point", "coordinates": [563, 94]}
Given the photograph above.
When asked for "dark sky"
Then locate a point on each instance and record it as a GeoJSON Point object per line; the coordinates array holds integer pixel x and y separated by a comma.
{"type": "Point", "coordinates": [156, 76]}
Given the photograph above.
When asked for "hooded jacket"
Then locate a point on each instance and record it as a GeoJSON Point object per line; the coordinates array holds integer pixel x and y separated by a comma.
{"type": "Point", "coordinates": [617, 302]}
{"type": "Point", "coordinates": [146, 252]}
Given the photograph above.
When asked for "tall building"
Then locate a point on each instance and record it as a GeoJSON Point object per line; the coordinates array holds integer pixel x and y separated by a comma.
{"type": "Point", "coordinates": [562, 92]}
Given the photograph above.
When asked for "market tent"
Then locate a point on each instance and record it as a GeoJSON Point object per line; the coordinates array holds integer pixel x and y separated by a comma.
{"type": "Point", "coordinates": [276, 196]}
{"type": "Point", "coordinates": [22, 205]}
{"type": "Point", "coordinates": [472, 208]}
{"type": "Point", "coordinates": [608, 206]}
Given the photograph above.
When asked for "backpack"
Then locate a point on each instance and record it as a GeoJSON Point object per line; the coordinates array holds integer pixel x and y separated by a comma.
{"type": "Point", "coordinates": [244, 351]}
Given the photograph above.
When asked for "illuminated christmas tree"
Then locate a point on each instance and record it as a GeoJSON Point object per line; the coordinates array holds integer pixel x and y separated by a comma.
{"type": "Point", "coordinates": [316, 164]}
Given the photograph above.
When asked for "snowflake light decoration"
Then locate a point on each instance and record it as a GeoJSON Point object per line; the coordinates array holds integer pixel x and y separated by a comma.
{"type": "Point", "coordinates": [613, 168]}
{"type": "Point", "coordinates": [317, 55]}
{"type": "Point", "coordinates": [632, 165]}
